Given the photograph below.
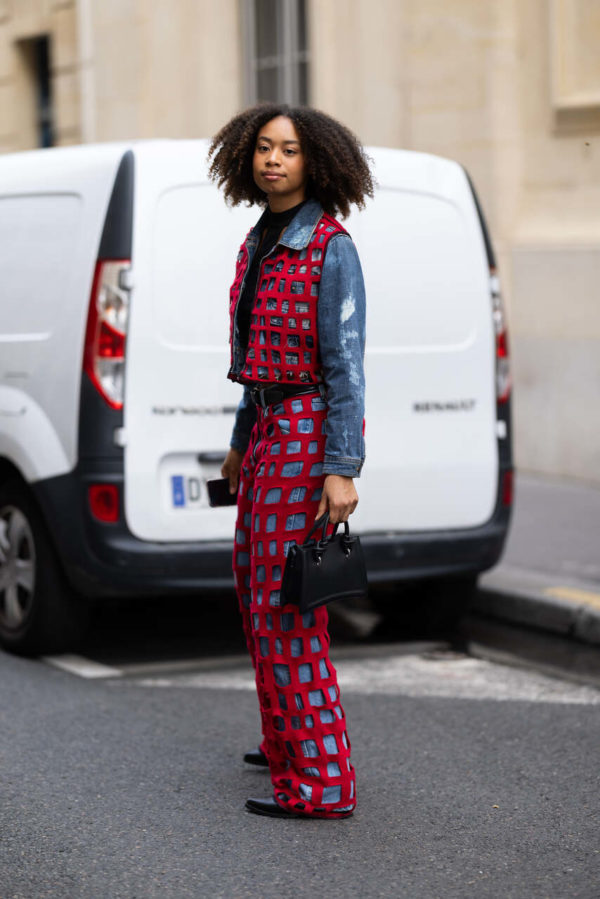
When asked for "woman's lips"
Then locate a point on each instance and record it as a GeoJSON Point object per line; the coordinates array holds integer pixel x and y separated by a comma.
{"type": "Point", "coordinates": [271, 176]}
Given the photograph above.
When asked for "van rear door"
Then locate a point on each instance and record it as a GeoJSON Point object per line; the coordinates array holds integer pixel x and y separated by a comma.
{"type": "Point", "coordinates": [432, 459]}
{"type": "Point", "coordinates": [430, 429]}
{"type": "Point", "coordinates": [178, 403]}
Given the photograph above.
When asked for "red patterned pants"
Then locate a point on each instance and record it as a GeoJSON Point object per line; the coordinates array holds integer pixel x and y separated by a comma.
{"type": "Point", "coordinates": [303, 723]}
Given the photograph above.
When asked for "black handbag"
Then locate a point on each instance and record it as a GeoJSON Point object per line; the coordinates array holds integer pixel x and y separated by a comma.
{"type": "Point", "coordinates": [317, 572]}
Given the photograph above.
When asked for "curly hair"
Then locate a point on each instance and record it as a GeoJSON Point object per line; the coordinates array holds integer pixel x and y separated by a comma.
{"type": "Point", "coordinates": [336, 163]}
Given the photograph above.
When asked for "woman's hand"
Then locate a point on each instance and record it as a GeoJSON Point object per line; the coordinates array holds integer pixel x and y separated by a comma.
{"type": "Point", "coordinates": [339, 496]}
{"type": "Point", "coordinates": [231, 468]}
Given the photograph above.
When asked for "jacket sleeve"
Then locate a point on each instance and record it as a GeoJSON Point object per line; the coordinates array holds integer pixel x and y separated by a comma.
{"type": "Point", "coordinates": [245, 417]}
{"type": "Point", "coordinates": [341, 321]}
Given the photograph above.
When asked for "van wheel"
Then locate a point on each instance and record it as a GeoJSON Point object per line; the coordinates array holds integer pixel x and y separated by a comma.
{"type": "Point", "coordinates": [425, 607]}
{"type": "Point", "coordinates": [39, 612]}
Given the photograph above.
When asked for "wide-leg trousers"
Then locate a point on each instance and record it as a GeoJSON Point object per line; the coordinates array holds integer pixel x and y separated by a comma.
{"type": "Point", "coordinates": [303, 722]}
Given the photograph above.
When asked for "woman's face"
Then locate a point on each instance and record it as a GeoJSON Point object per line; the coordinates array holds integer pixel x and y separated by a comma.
{"type": "Point", "coordinates": [278, 164]}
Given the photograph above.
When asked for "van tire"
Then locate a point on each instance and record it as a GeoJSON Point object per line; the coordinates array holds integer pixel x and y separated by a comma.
{"type": "Point", "coordinates": [44, 614]}
{"type": "Point", "coordinates": [428, 607]}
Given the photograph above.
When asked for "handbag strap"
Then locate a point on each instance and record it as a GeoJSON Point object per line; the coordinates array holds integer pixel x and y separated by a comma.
{"type": "Point", "coordinates": [324, 521]}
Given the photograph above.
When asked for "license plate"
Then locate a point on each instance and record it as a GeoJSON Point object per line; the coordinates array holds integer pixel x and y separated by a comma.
{"type": "Point", "coordinates": [188, 491]}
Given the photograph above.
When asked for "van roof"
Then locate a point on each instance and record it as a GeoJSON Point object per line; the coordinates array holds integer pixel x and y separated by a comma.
{"type": "Point", "coordinates": [394, 168]}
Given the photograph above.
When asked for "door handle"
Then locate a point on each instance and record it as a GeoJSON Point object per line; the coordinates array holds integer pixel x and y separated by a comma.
{"type": "Point", "coordinates": [212, 456]}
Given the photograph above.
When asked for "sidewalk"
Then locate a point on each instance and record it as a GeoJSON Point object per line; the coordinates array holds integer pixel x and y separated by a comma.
{"type": "Point", "coordinates": [549, 575]}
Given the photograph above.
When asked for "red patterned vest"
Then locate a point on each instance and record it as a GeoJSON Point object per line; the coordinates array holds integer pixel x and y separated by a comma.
{"type": "Point", "coordinates": [283, 340]}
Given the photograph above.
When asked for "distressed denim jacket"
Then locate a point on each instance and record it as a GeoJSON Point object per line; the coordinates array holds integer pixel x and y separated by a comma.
{"type": "Point", "coordinates": [341, 322]}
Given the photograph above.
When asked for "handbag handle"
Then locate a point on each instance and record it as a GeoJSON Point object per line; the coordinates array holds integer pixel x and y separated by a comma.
{"type": "Point", "coordinates": [324, 520]}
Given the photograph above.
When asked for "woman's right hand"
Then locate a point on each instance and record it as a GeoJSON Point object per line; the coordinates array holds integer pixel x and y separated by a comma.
{"type": "Point", "coordinates": [231, 468]}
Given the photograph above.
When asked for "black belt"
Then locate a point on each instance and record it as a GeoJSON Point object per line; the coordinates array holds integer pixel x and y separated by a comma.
{"type": "Point", "coordinates": [275, 393]}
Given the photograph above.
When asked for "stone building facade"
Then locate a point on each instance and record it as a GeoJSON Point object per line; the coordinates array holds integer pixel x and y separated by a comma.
{"type": "Point", "coordinates": [510, 89]}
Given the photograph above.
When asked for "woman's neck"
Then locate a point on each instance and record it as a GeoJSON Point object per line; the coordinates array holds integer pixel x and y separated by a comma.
{"type": "Point", "coordinates": [282, 214]}
{"type": "Point", "coordinates": [282, 204]}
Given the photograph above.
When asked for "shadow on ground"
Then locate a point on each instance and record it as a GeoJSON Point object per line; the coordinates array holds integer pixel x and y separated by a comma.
{"type": "Point", "coordinates": [167, 627]}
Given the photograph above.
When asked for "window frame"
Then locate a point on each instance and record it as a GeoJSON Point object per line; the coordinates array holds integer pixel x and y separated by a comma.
{"type": "Point", "coordinates": [287, 60]}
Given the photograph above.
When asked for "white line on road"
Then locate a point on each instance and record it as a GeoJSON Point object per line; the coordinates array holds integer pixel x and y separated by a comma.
{"type": "Point", "coordinates": [401, 674]}
{"type": "Point", "coordinates": [414, 675]}
{"type": "Point", "coordinates": [81, 666]}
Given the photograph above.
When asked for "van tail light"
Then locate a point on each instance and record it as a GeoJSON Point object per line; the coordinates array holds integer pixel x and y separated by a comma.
{"type": "Point", "coordinates": [106, 332]}
{"type": "Point", "coordinates": [503, 378]}
{"type": "Point", "coordinates": [104, 501]}
{"type": "Point", "coordinates": [507, 487]}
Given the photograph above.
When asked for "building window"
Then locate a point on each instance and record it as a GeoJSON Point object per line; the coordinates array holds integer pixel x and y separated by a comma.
{"type": "Point", "coordinates": [44, 95]}
{"type": "Point", "coordinates": [34, 89]}
{"type": "Point", "coordinates": [276, 51]}
{"type": "Point", "coordinates": [575, 61]}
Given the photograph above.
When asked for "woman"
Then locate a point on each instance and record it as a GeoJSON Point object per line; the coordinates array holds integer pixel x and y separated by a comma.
{"type": "Point", "coordinates": [297, 334]}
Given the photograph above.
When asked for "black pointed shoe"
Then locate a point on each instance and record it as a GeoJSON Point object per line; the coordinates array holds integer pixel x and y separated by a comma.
{"type": "Point", "coordinates": [256, 757]}
{"type": "Point", "coordinates": [270, 808]}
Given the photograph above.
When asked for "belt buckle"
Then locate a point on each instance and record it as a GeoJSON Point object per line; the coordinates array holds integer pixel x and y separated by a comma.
{"type": "Point", "coordinates": [279, 393]}
{"type": "Point", "coordinates": [261, 395]}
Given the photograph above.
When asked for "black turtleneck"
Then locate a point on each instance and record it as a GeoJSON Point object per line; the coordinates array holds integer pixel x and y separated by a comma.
{"type": "Point", "coordinates": [273, 224]}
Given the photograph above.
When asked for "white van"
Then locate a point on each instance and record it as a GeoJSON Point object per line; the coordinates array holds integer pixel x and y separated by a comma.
{"type": "Point", "coordinates": [115, 408]}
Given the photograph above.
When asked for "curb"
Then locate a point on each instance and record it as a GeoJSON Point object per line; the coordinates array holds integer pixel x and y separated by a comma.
{"type": "Point", "coordinates": [570, 608]}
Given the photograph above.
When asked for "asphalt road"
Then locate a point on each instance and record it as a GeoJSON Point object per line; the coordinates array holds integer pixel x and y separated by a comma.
{"type": "Point", "coordinates": [474, 778]}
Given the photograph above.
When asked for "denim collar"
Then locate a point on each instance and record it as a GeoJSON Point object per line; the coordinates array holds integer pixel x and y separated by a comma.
{"type": "Point", "coordinates": [298, 233]}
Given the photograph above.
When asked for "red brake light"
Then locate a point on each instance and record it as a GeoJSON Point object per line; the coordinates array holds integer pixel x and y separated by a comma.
{"type": "Point", "coordinates": [111, 343]}
{"type": "Point", "coordinates": [507, 488]}
{"type": "Point", "coordinates": [503, 378]}
{"type": "Point", "coordinates": [104, 501]}
{"type": "Point", "coordinates": [106, 332]}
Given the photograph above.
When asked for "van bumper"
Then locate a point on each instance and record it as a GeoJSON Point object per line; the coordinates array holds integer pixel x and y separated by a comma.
{"type": "Point", "coordinates": [104, 559]}
{"type": "Point", "coordinates": [415, 555]}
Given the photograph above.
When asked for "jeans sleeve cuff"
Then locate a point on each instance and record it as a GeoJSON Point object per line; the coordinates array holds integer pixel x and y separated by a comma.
{"type": "Point", "coordinates": [239, 444]}
{"type": "Point", "coordinates": [347, 467]}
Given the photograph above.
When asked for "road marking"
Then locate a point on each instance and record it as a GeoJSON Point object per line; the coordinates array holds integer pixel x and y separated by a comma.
{"type": "Point", "coordinates": [177, 666]}
{"type": "Point", "coordinates": [81, 666]}
{"type": "Point", "coordinates": [574, 594]}
{"type": "Point", "coordinates": [415, 676]}
{"type": "Point", "coordinates": [421, 674]}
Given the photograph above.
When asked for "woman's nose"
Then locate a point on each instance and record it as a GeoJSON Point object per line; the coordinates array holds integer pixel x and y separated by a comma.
{"type": "Point", "coordinates": [273, 158]}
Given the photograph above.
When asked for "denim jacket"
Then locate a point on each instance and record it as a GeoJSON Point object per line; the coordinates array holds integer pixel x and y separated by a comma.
{"type": "Point", "coordinates": [341, 322]}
